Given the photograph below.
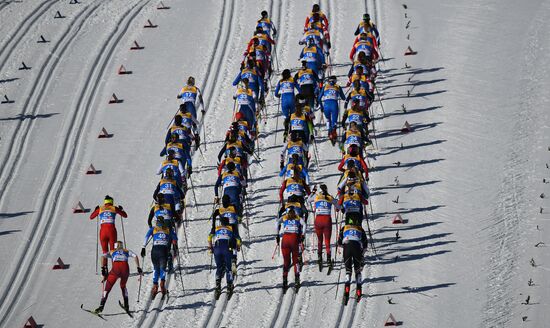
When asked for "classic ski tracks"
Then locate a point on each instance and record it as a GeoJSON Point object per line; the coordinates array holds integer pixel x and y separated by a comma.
{"type": "Point", "coordinates": [64, 164]}
{"type": "Point", "coordinates": [5, 52]}
{"type": "Point", "coordinates": [33, 102]}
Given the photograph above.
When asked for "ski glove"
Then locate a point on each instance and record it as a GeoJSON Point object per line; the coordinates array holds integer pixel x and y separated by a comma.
{"type": "Point", "coordinates": [143, 252]}
{"type": "Point", "coordinates": [120, 207]}
{"type": "Point", "coordinates": [140, 271]}
{"type": "Point", "coordinates": [104, 272]}
{"type": "Point", "coordinates": [278, 238]}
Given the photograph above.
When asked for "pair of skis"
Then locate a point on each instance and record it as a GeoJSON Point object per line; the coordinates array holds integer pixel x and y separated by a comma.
{"type": "Point", "coordinates": [100, 315]}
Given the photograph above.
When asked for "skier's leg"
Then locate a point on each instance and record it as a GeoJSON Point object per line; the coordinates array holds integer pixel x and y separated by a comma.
{"type": "Point", "coordinates": [104, 241]}
{"type": "Point", "coordinates": [319, 232]}
{"type": "Point", "coordinates": [227, 255]}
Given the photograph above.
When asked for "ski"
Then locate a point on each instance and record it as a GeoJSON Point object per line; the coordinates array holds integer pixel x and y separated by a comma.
{"type": "Point", "coordinates": [128, 312]}
{"type": "Point", "coordinates": [92, 312]}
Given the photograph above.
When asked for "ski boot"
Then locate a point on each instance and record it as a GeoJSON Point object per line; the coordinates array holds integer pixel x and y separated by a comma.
{"type": "Point", "coordinates": [126, 305]}
{"type": "Point", "coordinates": [230, 288]}
{"type": "Point", "coordinates": [218, 289]}
{"type": "Point", "coordinates": [358, 292]}
{"type": "Point", "coordinates": [154, 290]}
{"type": "Point", "coordinates": [297, 284]}
{"type": "Point", "coordinates": [285, 284]}
{"type": "Point", "coordinates": [163, 288]}
{"type": "Point", "coordinates": [99, 309]}
{"type": "Point", "coordinates": [320, 261]}
{"type": "Point", "coordinates": [330, 264]}
{"type": "Point", "coordinates": [101, 306]}
{"type": "Point", "coordinates": [346, 294]}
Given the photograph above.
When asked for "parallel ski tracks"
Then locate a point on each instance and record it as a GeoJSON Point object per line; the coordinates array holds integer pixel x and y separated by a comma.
{"type": "Point", "coordinates": [6, 51]}
{"type": "Point", "coordinates": [63, 165]}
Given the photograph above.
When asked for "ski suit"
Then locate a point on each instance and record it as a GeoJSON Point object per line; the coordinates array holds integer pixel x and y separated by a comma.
{"type": "Point", "coordinates": [293, 232]}
{"type": "Point", "coordinates": [285, 90]}
{"type": "Point", "coordinates": [329, 95]}
{"type": "Point", "coordinates": [163, 238]}
{"type": "Point", "coordinates": [107, 233]}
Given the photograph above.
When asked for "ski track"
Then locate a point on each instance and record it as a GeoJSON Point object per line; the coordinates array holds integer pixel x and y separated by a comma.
{"type": "Point", "coordinates": [33, 103]}
{"type": "Point", "coordinates": [63, 165]}
{"type": "Point", "coordinates": [216, 312]}
{"type": "Point", "coordinates": [7, 170]}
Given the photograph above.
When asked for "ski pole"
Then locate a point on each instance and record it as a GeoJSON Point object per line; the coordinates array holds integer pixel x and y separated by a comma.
{"type": "Point", "coordinates": [179, 268]}
{"type": "Point", "coordinates": [97, 246]}
{"type": "Point", "coordinates": [370, 234]}
{"type": "Point", "coordinates": [139, 288]}
{"type": "Point", "coordinates": [380, 99]}
{"type": "Point", "coordinates": [338, 283]}
{"type": "Point", "coordinates": [211, 256]}
{"type": "Point", "coordinates": [186, 243]}
{"type": "Point", "coordinates": [194, 195]}
{"type": "Point", "coordinates": [277, 122]}
{"type": "Point", "coordinates": [123, 234]}
{"type": "Point", "coordinates": [275, 252]}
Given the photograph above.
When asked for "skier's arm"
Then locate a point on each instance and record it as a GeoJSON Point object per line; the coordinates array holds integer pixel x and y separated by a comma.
{"type": "Point", "coordinates": [237, 79]}
{"type": "Point", "coordinates": [94, 213]}
{"type": "Point", "coordinates": [222, 151]}
{"type": "Point", "coordinates": [281, 190]}
{"type": "Point", "coordinates": [277, 89]}
{"type": "Point", "coordinates": [342, 95]}
{"type": "Point", "coordinates": [147, 236]}
{"type": "Point", "coordinates": [121, 212]}
{"type": "Point", "coordinates": [341, 165]}
{"type": "Point", "coordinates": [159, 171]}
{"type": "Point", "coordinates": [156, 192]}
{"type": "Point", "coordinates": [163, 152]}
{"type": "Point", "coordinates": [150, 218]}
{"type": "Point", "coordinates": [217, 185]}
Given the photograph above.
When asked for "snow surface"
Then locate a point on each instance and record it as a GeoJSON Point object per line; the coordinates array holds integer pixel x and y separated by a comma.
{"type": "Point", "coordinates": [469, 177]}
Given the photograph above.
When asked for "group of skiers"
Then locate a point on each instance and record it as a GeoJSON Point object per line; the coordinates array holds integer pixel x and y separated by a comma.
{"type": "Point", "coordinates": [167, 209]}
{"type": "Point", "coordinates": [301, 95]}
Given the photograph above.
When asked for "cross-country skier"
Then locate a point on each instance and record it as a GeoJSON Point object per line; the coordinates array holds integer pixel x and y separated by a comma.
{"type": "Point", "coordinates": [246, 101]}
{"type": "Point", "coordinates": [120, 269]}
{"type": "Point", "coordinates": [354, 156]}
{"type": "Point", "coordinates": [365, 26]}
{"type": "Point", "coordinates": [295, 146]}
{"type": "Point", "coordinates": [164, 209]}
{"type": "Point", "coordinates": [172, 163]}
{"type": "Point", "coordinates": [285, 90]}
{"type": "Point", "coordinates": [322, 206]}
{"type": "Point", "coordinates": [181, 152]}
{"type": "Point", "coordinates": [294, 162]}
{"type": "Point", "coordinates": [266, 24]}
{"type": "Point", "coordinates": [251, 73]}
{"type": "Point", "coordinates": [163, 238]}
{"type": "Point", "coordinates": [221, 241]}
{"type": "Point", "coordinates": [189, 94]}
{"type": "Point", "coordinates": [234, 217]}
{"type": "Point", "coordinates": [321, 17]}
{"type": "Point", "coordinates": [168, 186]}
{"type": "Point", "coordinates": [107, 233]}
{"type": "Point", "coordinates": [293, 234]}
{"type": "Point", "coordinates": [330, 94]}
{"type": "Point", "coordinates": [233, 184]}
{"type": "Point", "coordinates": [353, 193]}
{"type": "Point", "coordinates": [353, 240]}
{"type": "Point", "coordinates": [308, 82]}
{"type": "Point", "coordinates": [314, 57]}
{"type": "Point", "coordinates": [364, 44]}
